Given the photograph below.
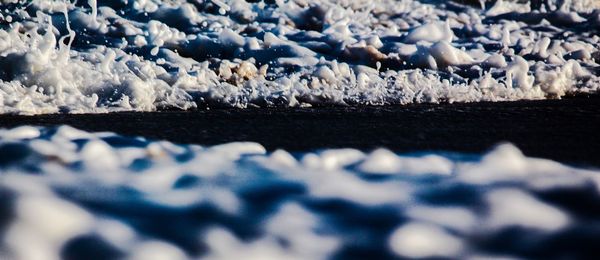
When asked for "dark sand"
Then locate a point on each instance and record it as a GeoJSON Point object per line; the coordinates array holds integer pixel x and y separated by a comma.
{"type": "Point", "coordinates": [566, 130]}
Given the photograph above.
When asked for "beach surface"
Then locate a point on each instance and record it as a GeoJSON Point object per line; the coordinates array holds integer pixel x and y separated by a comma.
{"type": "Point", "coordinates": [564, 130]}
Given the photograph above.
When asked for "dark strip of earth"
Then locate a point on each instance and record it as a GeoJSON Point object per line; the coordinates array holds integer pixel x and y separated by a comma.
{"type": "Point", "coordinates": [565, 130]}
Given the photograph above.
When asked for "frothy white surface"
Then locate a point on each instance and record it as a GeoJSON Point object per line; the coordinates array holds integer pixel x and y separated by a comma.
{"type": "Point", "coordinates": [67, 192]}
{"type": "Point", "coordinates": [101, 56]}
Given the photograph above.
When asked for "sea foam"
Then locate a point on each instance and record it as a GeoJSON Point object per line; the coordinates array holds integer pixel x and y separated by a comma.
{"type": "Point", "coordinates": [68, 194]}
{"type": "Point", "coordinates": [104, 56]}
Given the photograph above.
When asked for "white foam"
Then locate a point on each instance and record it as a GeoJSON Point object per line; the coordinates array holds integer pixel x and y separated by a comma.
{"type": "Point", "coordinates": [157, 250]}
{"type": "Point", "coordinates": [516, 208]}
{"type": "Point", "coordinates": [150, 55]}
{"type": "Point", "coordinates": [418, 240]}
{"type": "Point", "coordinates": [431, 32]}
{"type": "Point", "coordinates": [156, 200]}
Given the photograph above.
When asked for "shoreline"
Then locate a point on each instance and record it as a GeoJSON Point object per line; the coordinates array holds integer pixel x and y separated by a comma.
{"type": "Point", "coordinates": [565, 130]}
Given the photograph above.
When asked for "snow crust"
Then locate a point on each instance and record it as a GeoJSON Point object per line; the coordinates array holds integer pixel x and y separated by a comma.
{"type": "Point", "coordinates": [67, 193]}
{"type": "Point", "coordinates": [146, 55]}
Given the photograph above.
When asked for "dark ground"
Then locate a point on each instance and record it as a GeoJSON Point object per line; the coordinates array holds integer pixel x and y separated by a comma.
{"type": "Point", "coordinates": [566, 130]}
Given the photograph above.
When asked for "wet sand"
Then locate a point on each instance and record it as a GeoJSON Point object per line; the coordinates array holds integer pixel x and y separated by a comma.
{"type": "Point", "coordinates": [566, 130]}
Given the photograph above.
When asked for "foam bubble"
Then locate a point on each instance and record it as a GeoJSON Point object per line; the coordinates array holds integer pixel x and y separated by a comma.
{"type": "Point", "coordinates": [151, 55]}
{"type": "Point", "coordinates": [130, 197]}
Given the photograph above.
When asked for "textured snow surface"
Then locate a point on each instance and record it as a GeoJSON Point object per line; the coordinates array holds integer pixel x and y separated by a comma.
{"type": "Point", "coordinates": [144, 55]}
{"type": "Point", "coordinates": [70, 194]}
